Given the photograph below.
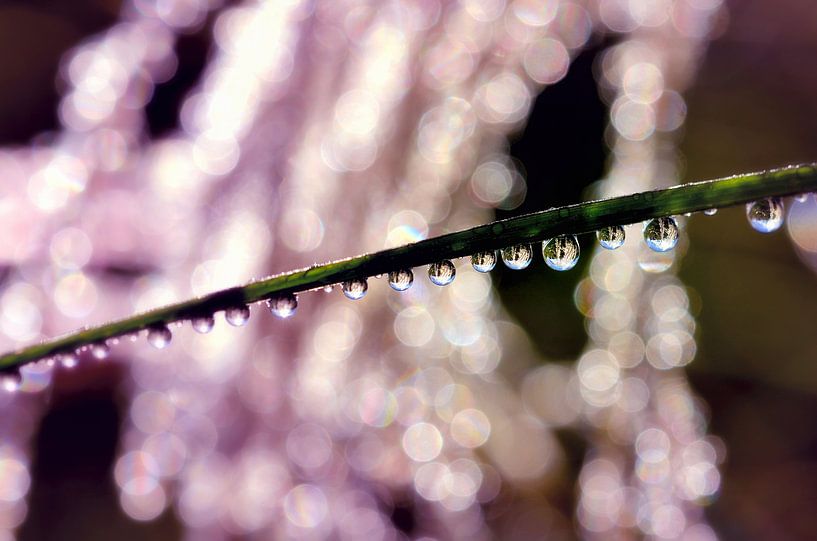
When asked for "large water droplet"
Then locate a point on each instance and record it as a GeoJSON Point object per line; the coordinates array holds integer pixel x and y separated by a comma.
{"type": "Point", "coordinates": [517, 257]}
{"type": "Point", "coordinates": [283, 306]}
{"type": "Point", "coordinates": [561, 253]}
{"type": "Point", "coordinates": [484, 261]}
{"type": "Point", "coordinates": [10, 382]}
{"type": "Point", "coordinates": [159, 337]}
{"type": "Point", "coordinates": [711, 212]}
{"type": "Point", "coordinates": [69, 359]}
{"type": "Point", "coordinates": [355, 289]}
{"type": "Point", "coordinates": [442, 273]}
{"type": "Point", "coordinates": [237, 316]}
{"type": "Point", "coordinates": [100, 351]}
{"type": "Point", "coordinates": [801, 197]}
{"type": "Point", "coordinates": [401, 280]}
{"type": "Point", "coordinates": [765, 215]}
{"type": "Point", "coordinates": [611, 237]}
{"type": "Point", "coordinates": [203, 324]}
{"type": "Point", "coordinates": [661, 234]}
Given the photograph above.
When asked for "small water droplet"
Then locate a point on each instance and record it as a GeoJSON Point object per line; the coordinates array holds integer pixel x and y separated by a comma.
{"type": "Point", "coordinates": [517, 257]}
{"type": "Point", "coordinates": [484, 261]}
{"type": "Point", "coordinates": [355, 289]}
{"type": "Point", "coordinates": [611, 237]}
{"type": "Point", "coordinates": [661, 234]}
{"type": "Point", "coordinates": [100, 351]}
{"type": "Point", "coordinates": [328, 288]}
{"type": "Point", "coordinates": [237, 316]}
{"type": "Point", "coordinates": [801, 197]}
{"type": "Point", "coordinates": [401, 280]}
{"type": "Point", "coordinates": [69, 359]}
{"type": "Point", "coordinates": [159, 337]}
{"type": "Point", "coordinates": [711, 212]}
{"type": "Point", "coordinates": [442, 273]}
{"type": "Point", "coordinates": [203, 324]}
{"type": "Point", "coordinates": [10, 382]}
{"type": "Point", "coordinates": [687, 215]}
{"type": "Point", "coordinates": [561, 253]}
{"type": "Point", "coordinates": [283, 306]}
{"type": "Point", "coordinates": [765, 215]}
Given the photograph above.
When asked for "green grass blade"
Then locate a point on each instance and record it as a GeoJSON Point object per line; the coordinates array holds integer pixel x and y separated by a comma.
{"type": "Point", "coordinates": [572, 219]}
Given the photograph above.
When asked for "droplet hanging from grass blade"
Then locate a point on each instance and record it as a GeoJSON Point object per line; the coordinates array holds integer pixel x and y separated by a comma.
{"type": "Point", "coordinates": [159, 337]}
{"type": "Point", "coordinates": [283, 306]}
{"type": "Point", "coordinates": [611, 237]}
{"type": "Point", "coordinates": [484, 261]}
{"type": "Point", "coordinates": [765, 215]}
{"type": "Point", "coordinates": [561, 253]}
{"type": "Point", "coordinates": [203, 324]}
{"type": "Point", "coordinates": [355, 289]}
{"type": "Point", "coordinates": [237, 316]}
{"type": "Point", "coordinates": [401, 280]}
{"type": "Point", "coordinates": [442, 273]}
{"type": "Point", "coordinates": [517, 257]}
{"type": "Point", "coordinates": [661, 234]}
{"type": "Point", "coordinates": [100, 351]}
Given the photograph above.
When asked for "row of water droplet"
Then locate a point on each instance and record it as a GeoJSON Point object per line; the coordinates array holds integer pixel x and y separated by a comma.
{"type": "Point", "coordinates": [560, 253]}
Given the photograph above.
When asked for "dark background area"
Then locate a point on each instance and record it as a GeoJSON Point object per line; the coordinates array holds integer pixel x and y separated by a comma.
{"type": "Point", "coordinates": [754, 106]}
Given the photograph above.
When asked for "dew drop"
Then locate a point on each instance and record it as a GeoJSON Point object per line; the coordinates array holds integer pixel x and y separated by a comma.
{"type": "Point", "coordinates": [765, 215]}
{"type": "Point", "coordinates": [661, 234]}
{"type": "Point", "coordinates": [203, 324]}
{"type": "Point", "coordinates": [484, 261]}
{"type": "Point", "coordinates": [401, 280]}
{"type": "Point", "coordinates": [355, 289]}
{"type": "Point", "coordinates": [517, 257]}
{"type": "Point", "coordinates": [442, 273]}
{"type": "Point", "coordinates": [69, 360]}
{"type": "Point", "coordinates": [237, 316]}
{"type": "Point", "coordinates": [711, 212]}
{"type": "Point", "coordinates": [561, 253]}
{"type": "Point", "coordinates": [159, 337]}
{"type": "Point", "coordinates": [801, 197]}
{"type": "Point", "coordinates": [100, 351]}
{"type": "Point", "coordinates": [283, 306]}
{"type": "Point", "coordinates": [611, 237]}
{"type": "Point", "coordinates": [10, 382]}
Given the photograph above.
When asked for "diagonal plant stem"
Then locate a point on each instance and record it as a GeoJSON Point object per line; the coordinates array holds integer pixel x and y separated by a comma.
{"type": "Point", "coordinates": [572, 219]}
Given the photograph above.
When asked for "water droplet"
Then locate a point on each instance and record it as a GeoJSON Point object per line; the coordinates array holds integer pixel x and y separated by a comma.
{"type": "Point", "coordinates": [517, 257]}
{"type": "Point", "coordinates": [442, 273]}
{"type": "Point", "coordinates": [661, 234]}
{"type": "Point", "coordinates": [159, 337]}
{"type": "Point", "coordinates": [283, 306]}
{"type": "Point", "coordinates": [611, 237]}
{"type": "Point", "coordinates": [203, 324]}
{"type": "Point", "coordinates": [484, 261]}
{"type": "Point", "coordinates": [328, 288]}
{"type": "Point", "coordinates": [100, 351]}
{"type": "Point", "coordinates": [765, 215]}
{"type": "Point", "coordinates": [69, 359]}
{"type": "Point", "coordinates": [10, 382]}
{"type": "Point", "coordinates": [711, 212]}
{"type": "Point", "coordinates": [237, 316]}
{"type": "Point", "coordinates": [561, 253]}
{"type": "Point", "coordinates": [355, 289]}
{"type": "Point", "coordinates": [801, 197]}
{"type": "Point", "coordinates": [688, 215]}
{"type": "Point", "coordinates": [401, 280]}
